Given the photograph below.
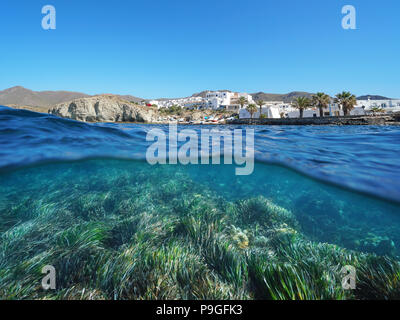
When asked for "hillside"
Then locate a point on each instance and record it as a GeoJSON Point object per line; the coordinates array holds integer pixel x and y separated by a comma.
{"type": "Point", "coordinates": [126, 97]}
{"type": "Point", "coordinates": [202, 94]}
{"type": "Point", "coordinates": [288, 97]}
{"type": "Point", "coordinates": [103, 108]}
{"type": "Point", "coordinates": [372, 97]}
{"type": "Point", "coordinates": [20, 96]}
{"type": "Point", "coordinates": [110, 108]}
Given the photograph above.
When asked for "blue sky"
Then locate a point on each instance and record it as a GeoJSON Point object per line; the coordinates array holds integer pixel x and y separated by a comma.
{"type": "Point", "coordinates": [171, 48]}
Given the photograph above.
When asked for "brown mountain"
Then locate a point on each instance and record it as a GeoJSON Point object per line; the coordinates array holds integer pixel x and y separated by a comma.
{"type": "Point", "coordinates": [126, 97]}
{"type": "Point", "coordinates": [287, 97]}
{"type": "Point", "coordinates": [372, 97]}
{"type": "Point", "coordinates": [203, 93]}
{"type": "Point", "coordinates": [132, 98]}
{"type": "Point", "coordinates": [103, 108]}
{"type": "Point", "coordinates": [20, 96]}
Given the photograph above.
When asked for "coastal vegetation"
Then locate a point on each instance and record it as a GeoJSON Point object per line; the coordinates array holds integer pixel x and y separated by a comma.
{"type": "Point", "coordinates": [302, 103]}
{"type": "Point", "coordinates": [377, 109]}
{"type": "Point", "coordinates": [115, 108]}
{"type": "Point", "coordinates": [321, 101]}
{"type": "Point", "coordinates": [260, 103]}
{"type": "Point", "coordinates": [176, 110]}
{"type": "Point", "coordinates": [252, 109]}
{"type": "Point", "coordinates": [127, 108]}
{"type": "Point", "coordinates": [242, 102]}
{"type": "Point", "coordinates": [347, 101]}
{"type": "Point", "coordinates": [117, 230]}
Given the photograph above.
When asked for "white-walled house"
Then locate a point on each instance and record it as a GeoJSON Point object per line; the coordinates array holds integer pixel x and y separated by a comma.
{"type": "Point", "coordinates": [275, 109]}
{"type": "Point", "coordinates": [333, 110]}
{"type": "Point", "coordinates": [181, 102]}
{"type": "Point", "coordinates": [388, 105]}
{"type": "Point", "coordinates": [271, 110]}
{"type": "Point", "coordinates": [213, 100]}
{"type": "Point", "coordinates": [226, 100]}
{"type": "Point", "coordinates": [362, 107]}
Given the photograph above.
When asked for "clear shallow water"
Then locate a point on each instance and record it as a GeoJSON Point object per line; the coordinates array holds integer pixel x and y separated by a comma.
{"type": "Point", "coordinates": [76, 195]}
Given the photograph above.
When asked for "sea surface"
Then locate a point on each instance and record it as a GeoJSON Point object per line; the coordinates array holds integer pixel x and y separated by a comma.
{"type": "Point", "coordinates": [72, 191]}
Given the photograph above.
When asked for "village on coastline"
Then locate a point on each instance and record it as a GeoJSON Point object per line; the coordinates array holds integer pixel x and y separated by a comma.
{"type": "Point", "coordinates": [211, 107]}
{"type": "Point", "coordinates": [318, 105]}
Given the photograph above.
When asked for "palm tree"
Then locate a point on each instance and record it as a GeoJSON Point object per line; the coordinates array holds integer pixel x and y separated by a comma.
{"type": "Point", "coordinates": [301, 103]}
{"type": "Point", "coordinates": [242, 101]}
{"type": "Point", "coordinates": [376, 109]}
{"type": "Point", "coordinates": [260, 103]}
{"type": "Point", "coordinates": [347, 101]}
{"type": "Point", "coordinates": [251, 108]}
{"type": "Point", "coordinates": [321, 101]}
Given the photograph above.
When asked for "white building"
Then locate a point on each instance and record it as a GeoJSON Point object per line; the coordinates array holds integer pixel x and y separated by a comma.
{"type": "Point", "coordinates": [362, 107]}
{"type": "Point", "coordinates": [181, 102]}
{"type": "Point", "coordinates": [388, 106]}
{"type": "Point", "coordinates": [213, 100]}
{"type": "Point", "coordinates": [333, 110]}
{"type": "Point", "coordinates": [271, 110]}
{"type": "Point", "coordinates": [225, 100]}
{"type": "Point", "coordinates": [280, 109]}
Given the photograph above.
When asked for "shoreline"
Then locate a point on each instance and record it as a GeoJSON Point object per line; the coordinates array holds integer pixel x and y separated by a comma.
{"type": "Point", "coordinates": [393, 119]}
{"type": "Point", "coordinates": [386, 119]}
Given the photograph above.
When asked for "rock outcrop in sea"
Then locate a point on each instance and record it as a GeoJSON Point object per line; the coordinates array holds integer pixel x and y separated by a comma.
{"type": "Point", "coordinates": [103, 108]}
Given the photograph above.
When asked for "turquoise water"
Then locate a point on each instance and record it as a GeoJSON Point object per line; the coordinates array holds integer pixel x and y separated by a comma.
{"type": "Point", "coordinates": [81, 197]}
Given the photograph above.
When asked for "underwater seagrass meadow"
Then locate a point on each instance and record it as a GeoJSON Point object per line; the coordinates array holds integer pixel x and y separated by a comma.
{"type": "Point", "coordinates": [126, 230]}
{"type": "Point", "coordinates": [116, 227]}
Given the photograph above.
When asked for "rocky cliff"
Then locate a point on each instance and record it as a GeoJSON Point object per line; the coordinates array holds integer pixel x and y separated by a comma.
{"type": "Point", "coordinates": [103, 109]}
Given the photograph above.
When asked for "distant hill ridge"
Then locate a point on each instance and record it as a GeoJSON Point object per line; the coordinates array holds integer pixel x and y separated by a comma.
{"type": "Point", "coordinates": [285, 97]}
{"type": "Point", "coordinates": [373, 97]}
{"type": "Point", "coordinates": [20, 96]}
{"type": "Point", "coordinates": [288, 97]}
